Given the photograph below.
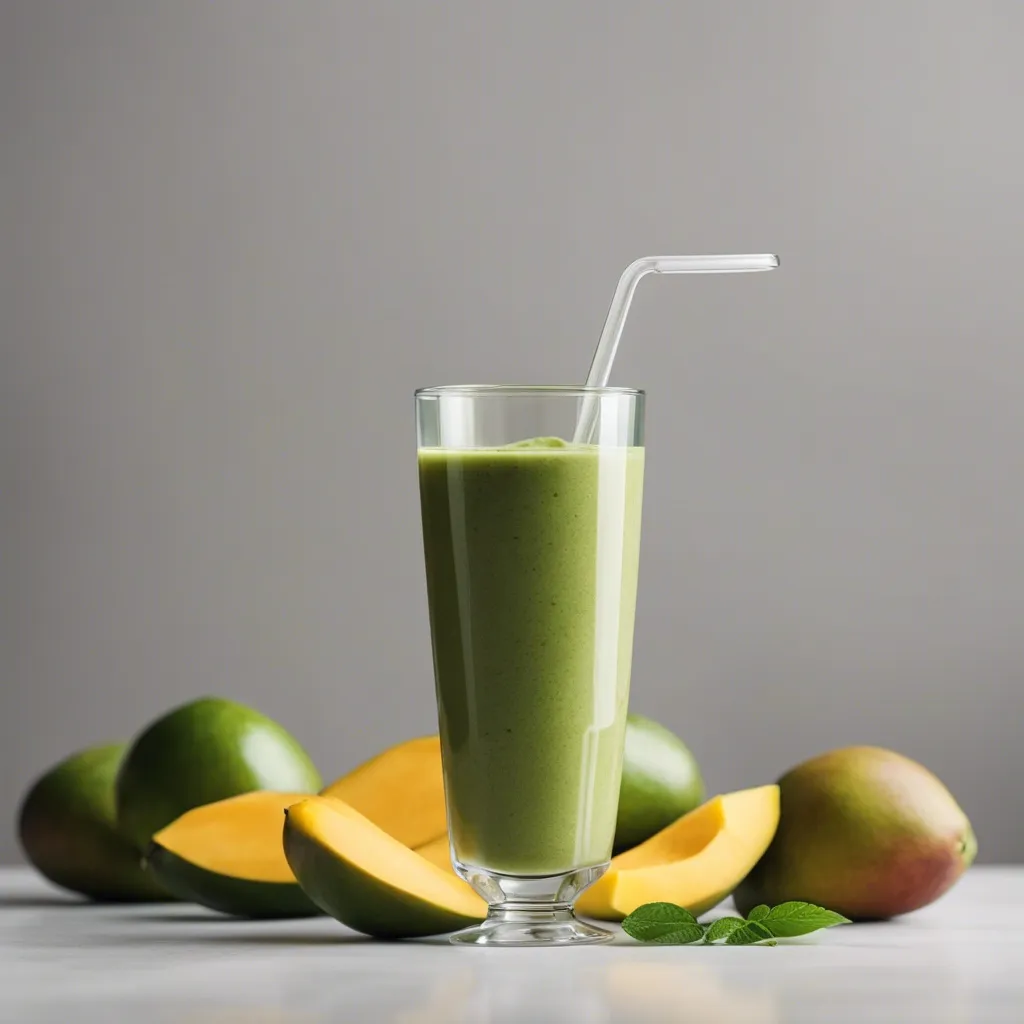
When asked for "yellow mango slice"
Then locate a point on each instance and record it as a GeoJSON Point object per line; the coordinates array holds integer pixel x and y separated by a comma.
{"type": "Point", "coordinates": [354, 871]}
{"type": "Point", "coordinates": [400, 790]}
{"type": "Point", "coordinates": [438, 852]}
{"type": "Point", "coordinates": [695, 862]}
{"type": "Point", "coordinates": [228, 856]}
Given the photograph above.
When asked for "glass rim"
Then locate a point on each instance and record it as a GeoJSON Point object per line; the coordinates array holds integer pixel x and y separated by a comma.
{"type": "Point", "coordinates": [565, 390]}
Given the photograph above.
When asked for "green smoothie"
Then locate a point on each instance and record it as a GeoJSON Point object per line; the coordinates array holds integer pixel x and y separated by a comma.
{"type": "Point", "coordinates": [531, 554]}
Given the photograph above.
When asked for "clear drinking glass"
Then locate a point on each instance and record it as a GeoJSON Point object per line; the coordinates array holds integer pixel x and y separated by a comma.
{"type": "Point", "coordinates": [531, 545]}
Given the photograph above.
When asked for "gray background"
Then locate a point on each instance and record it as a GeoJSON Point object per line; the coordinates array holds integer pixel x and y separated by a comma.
{"type": "Point", "coordinates": [236, 235]}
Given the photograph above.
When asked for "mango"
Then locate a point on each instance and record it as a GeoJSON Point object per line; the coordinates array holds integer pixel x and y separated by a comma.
{"type": "Point", "coordinates": [401, 790]}
{"type": "Point", "coordinates": [865, 832]}
{"type": "Point", "coordinates": [354, 871]}
{"type": "Point", "coordinates": [228, 856]}
{"type": "Point", "coordinates": [202, 752]}
{"type": "Point", "coordinates": [660, 782]}
{"type": "Point", "coordinates": [67, 828]}
{"type": "Point", "coordinates": [696, 862]}
{"type": "Point", "coordinates": [438, 851]}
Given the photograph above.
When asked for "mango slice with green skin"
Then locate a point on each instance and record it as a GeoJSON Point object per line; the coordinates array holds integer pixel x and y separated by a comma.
{"type": "Point", "coordinates": [227, 895]}
{"type": "Point", "coordinates": [228, 856]}
{"type": "Point", "coordinates": [401, 790]}
{"type": "Point", "coordinates": [439, 852]}
{"type": "Point", "coordinates": [696, 862]}
{"type": "Point", "coordinates": [368, 880]}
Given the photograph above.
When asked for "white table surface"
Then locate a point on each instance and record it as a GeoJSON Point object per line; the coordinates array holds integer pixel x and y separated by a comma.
{"type": "Point", "coordinates": [958, 961]}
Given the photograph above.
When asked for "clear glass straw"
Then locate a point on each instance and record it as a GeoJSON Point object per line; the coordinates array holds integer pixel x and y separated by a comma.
{"type": "Point", "coordinates": [608, 344]}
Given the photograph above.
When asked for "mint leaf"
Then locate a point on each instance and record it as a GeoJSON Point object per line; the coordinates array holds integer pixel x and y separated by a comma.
{"type": "Point", "coordinates": [683, 935]}
{"type": "Point", "coordinates": [752, 932]}
{"type": "Point", "coordinates": [798, 918]}
{"type": "Point", "coordinates": [723, 928]}
{"type": "Point", "coordinates": [670, 925]}
{"type": "Point", "coordinates": [656, 922]}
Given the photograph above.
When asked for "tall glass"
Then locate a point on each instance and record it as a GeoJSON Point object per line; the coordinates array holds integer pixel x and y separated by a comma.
{"type": "Point", "coordinates": [531, 544]}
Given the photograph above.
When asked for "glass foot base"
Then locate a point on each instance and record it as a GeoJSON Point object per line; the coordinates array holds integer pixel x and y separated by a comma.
{"type": "Point", "coordinates": [532, 910]}
{"type": "Point", "coordinates": [533, 927]}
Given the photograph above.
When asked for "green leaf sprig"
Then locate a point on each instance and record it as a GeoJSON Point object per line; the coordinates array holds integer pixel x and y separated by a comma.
{"type": "Point", "coordinates": [669, 925]}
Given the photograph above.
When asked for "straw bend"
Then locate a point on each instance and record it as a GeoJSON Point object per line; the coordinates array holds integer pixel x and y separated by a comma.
{"type": "Point", "coordinates": [604, 354]}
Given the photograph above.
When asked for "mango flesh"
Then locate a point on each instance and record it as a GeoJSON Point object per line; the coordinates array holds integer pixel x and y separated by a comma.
{"type": "Point", "coordinates": [199, 753]}
{"type": "Point", "coordinates": [865, 832]}
{"type": "Point", "coordinates": [368, 880]}
{"type": "Point", "coordinates": [438, 851]}
{"type": "Point", "coordinates": [67, 828]}
{"type": "Point", "coordinates": [660, 782]}
{"type": "Point", "coordinates": [228, 856]}
{"type": "Point", "coordinates": [695, 862]}
{"type": "Point", "coordinates": [400, 790]}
